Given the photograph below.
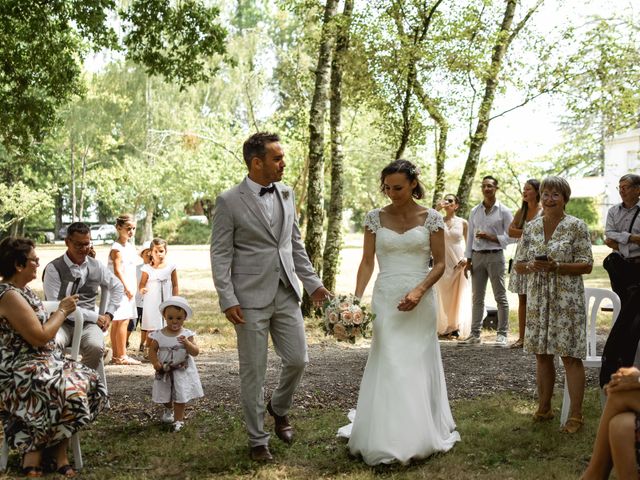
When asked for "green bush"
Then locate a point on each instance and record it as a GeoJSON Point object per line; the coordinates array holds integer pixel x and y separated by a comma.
{"type": "Point", "coordinates": [177, 231]}
{"type": "Point", "coordinates": [584, 209]}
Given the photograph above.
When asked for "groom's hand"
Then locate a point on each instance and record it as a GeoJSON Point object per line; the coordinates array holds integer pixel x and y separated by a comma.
{"type": "Point", "coordinates": [234, 315]}
{"type": "Point", "coordinates": [319, 296]}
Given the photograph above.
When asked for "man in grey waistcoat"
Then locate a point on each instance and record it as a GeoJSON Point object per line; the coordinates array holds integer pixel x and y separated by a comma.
{"type": "Point", "coordinates": [77, 272]}
{"type": "Point", "coordinates": [257, 257]}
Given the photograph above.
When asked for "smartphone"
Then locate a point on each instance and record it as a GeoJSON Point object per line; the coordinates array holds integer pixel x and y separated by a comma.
{"type": "Point", "coordinates": [541, 257]}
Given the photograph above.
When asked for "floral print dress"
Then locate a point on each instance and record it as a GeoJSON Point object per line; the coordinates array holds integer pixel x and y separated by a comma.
{"type": "Point", "coordinates": [44, 397]}
{"type": "Point", "coordinates": [556, 312]}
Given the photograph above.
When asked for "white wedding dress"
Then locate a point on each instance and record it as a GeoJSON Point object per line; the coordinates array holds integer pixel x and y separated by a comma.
{"type": "Point", "coordinates": [403, 412]}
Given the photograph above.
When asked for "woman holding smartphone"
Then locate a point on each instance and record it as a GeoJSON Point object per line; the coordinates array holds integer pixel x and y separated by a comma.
{"type": "Point", "coordinates": [554, 254]}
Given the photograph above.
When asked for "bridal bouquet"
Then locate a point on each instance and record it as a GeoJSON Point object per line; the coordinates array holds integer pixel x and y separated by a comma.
{"type": "Point", "coordinates": [346, 318]}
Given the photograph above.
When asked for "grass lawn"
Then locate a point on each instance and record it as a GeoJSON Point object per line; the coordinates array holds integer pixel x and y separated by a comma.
{"type": "Point", "coordinates": [499, 441]}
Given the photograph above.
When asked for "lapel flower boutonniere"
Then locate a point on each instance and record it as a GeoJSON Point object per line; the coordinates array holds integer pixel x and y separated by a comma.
{"type": "Point", "coordinates": [285, 194]}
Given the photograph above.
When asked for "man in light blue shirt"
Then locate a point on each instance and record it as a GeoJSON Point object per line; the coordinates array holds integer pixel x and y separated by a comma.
{"type": "Point", "coordinates": [486, 240]}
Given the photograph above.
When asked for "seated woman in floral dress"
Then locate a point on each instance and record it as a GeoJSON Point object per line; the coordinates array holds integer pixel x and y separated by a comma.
{"type": "Point", "coordinates": [44, 397]}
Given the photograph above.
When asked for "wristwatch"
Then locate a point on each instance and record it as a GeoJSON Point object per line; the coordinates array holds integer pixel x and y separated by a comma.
{"type": "Point", "coordinates": [110, 315]}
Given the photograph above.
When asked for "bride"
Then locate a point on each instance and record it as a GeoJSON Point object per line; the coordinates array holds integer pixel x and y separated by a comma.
{"type": "Point", "coordinates": [403, 411]}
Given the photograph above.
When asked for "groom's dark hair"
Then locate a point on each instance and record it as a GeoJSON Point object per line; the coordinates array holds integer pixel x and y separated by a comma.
{"type": "Point", "coordinates": [256, 145]}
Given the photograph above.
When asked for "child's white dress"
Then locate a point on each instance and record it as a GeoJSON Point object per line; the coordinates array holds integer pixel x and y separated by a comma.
{"type": "Point", "coordinates": [159, 288]}
{"type": "Point", "coordinates": [182, 383]}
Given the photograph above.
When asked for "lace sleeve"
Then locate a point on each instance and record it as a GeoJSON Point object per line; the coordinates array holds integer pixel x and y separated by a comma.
{"type": "Point", "coordinates": [372, 220]}
{"type": "Point", "coordinates": [434, 221]}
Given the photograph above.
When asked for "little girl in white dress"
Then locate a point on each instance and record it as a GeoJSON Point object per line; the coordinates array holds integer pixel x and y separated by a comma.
{"type": "Point", "coordinates": [171, 353]}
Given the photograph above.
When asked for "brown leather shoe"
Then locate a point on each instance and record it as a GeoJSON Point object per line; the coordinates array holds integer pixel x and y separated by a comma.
{"type": "Point", "coordinates": [260, 453]}
{"type": "Point", "coordinates": [283, 428]}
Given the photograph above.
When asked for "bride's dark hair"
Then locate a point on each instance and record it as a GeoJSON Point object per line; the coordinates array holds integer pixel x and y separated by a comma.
{"type": "Point", "coordinates": [411, 172]}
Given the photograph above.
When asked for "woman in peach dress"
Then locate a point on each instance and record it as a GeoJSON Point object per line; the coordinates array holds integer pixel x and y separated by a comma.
{"type": "Point", "coordinates": [454, 294]}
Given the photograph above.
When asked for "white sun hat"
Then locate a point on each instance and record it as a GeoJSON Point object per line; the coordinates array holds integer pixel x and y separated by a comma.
{"type": "Point", "coordinates": [176, 301]}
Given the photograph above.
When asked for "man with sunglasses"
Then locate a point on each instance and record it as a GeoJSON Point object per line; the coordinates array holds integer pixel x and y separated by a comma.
{"type": "Point", "coordinates": [622, 234]}
{"type": "Point", "coordinates": [78, 272]}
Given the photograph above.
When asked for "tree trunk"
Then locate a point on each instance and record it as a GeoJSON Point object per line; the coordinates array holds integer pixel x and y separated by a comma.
{"type": "Point", "coordinates": [73, 181]}
{"type": "Point", "coordinates": [315, 182]}
{"type": "Point", "coordinates": [82, 185]}
{"type": "Point", "coordinates": [405, 133]}
{"type": "Point", "coordinates": [148, 222]}
{"type": "Point", "coordinates": [57, 213]}
{"type": "Point", "coordinates": [504, 38]}
{"type": "Point", "coordinates": [442, 131]}
{"type": "Point", "coordinates": [333, 242]}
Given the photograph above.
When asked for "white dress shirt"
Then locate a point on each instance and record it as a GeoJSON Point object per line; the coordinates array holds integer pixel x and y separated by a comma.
{"type": "Point", "coordinates": [617, 228]}
{"type": "Point", "coordinates": [265, 201]}
{"type": "Point", "coordinates": [495, 222]}
{"type": "Point", "coordinates": [51, 285]}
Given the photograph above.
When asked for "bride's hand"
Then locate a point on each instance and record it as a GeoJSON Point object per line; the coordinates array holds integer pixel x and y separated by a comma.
{"type": "Point", "coordinates": [410, 300]}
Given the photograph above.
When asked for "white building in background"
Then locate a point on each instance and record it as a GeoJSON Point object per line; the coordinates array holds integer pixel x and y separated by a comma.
{"type": "Point", "coordinates": [621, 156]}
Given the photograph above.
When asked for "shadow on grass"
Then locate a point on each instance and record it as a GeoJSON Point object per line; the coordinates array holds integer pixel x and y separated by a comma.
{"type": "Point", "coordinates": [499, 441]}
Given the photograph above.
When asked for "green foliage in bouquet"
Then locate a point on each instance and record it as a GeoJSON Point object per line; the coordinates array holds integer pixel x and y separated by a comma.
{"type": "Point", "coordinates": [346, 318]}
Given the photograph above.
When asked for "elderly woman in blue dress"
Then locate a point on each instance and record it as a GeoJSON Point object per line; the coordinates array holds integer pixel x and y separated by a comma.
{"type": "Point", "coordinates": [554, 254]}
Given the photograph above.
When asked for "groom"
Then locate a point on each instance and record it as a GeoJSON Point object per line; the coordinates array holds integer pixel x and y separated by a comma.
{"type": "Point", "coordinates": [256, 254]}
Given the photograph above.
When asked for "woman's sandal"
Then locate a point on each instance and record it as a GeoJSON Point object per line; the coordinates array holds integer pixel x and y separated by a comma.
{"type": "Point", "coordinates": [32, 471]}
{"type": "Point", "coordinates": [543, 417]}
{"type": "Point", "coordinates": [573, 425]}
{"type": "Point", "coordinates": [126, 360]}
{"type": "Point", "coordinates": [67, 471]}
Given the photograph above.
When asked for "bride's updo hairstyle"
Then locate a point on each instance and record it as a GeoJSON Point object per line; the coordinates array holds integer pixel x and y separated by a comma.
{"type": "Point", "coordinates": [410, 171]}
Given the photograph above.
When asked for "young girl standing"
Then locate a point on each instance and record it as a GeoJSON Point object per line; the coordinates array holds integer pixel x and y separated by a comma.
{"type": "Point", "coordinates": [122, 262]}
{"type": "Point", "coordinates": [171, 353]}
{"type": "Point", "coordinates": [145, 254]}
{"type": "Point", "coordinates": [159, 281]}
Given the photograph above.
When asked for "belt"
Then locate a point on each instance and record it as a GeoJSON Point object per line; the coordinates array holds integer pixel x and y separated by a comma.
{"type": "Point", "coordinates": [487, 251]}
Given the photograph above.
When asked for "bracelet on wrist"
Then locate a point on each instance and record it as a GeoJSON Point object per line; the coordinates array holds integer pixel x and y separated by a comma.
{"type": "Point", "coordinates": [63, 311]}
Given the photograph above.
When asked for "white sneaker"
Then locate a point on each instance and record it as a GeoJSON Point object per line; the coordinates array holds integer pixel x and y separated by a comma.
{"type": "Point", "coordinates": [177, 425]}
{"type": "Point", "coordinates": [167, 416]}
{"type": "Point", "coordinates": [501, 340]}
{"type": "Point", "coordinates": [470, 340]}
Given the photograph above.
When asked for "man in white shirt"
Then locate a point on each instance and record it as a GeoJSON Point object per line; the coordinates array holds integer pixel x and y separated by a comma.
{"type": "Point", "coordinates": [486, 240]}
{"type": "Point", "coordinates": [77, 272]}
{"type": "Point", "coordinates": [622, 234]}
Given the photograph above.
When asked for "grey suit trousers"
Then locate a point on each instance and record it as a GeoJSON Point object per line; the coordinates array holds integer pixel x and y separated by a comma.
{"type": "Point", "coordinates": [91, 343]}
{"type": "Point", "coordinates": [283, 319]}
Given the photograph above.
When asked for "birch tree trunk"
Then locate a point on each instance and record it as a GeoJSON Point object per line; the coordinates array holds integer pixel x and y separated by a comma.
{"type": "Point", "coordinates": [503, 41]}
{"type": "Point", "coordinates": [333, 241]}
{"type": "Point", "coordinates": [442, 131]}
{"type": "Point", "coordinates": [315, 182]}
{"type": "Point", "coordinates": [73, 180]}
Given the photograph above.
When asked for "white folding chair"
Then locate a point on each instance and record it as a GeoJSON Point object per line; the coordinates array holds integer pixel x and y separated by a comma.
{"type": "Point", "coordinates": [593, 298]}
{"type": "Point", "coordinates": [51, 307]}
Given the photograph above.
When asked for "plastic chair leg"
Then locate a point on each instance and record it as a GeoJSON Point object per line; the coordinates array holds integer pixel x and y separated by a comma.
{"type": "Point", "coordinates": [77, 453]}
{"type": "Point", "coordinates": [4, 457]}
{"type": "Point", "coordinates": [566, 403]}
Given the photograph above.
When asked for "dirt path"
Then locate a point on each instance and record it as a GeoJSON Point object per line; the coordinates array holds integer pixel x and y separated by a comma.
{"type": "Point", "coordinates": [333, 377]}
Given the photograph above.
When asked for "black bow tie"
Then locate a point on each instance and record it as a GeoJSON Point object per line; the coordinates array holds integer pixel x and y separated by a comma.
{"type": "Point", "coordinates": [264, 190]}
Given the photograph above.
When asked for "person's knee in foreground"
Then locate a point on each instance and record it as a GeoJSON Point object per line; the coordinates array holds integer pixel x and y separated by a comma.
{"type": "Point", "coordinates": [615, 445]}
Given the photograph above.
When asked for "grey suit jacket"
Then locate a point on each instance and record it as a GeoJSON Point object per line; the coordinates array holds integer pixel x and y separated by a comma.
{"type": "Point", "coordinates": [246, 255]}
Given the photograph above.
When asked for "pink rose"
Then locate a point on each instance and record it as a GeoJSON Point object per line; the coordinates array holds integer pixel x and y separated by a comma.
{"type": "Point", "coordinates": [347, 317]}
{"type": "Point", "coordinates": [357, 317]}
{"type": "Point", "coordinates": [333, 317]}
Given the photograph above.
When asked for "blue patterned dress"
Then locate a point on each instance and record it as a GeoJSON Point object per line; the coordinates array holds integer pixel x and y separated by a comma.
{"type": "Point", "coordinates": [44, 397]}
